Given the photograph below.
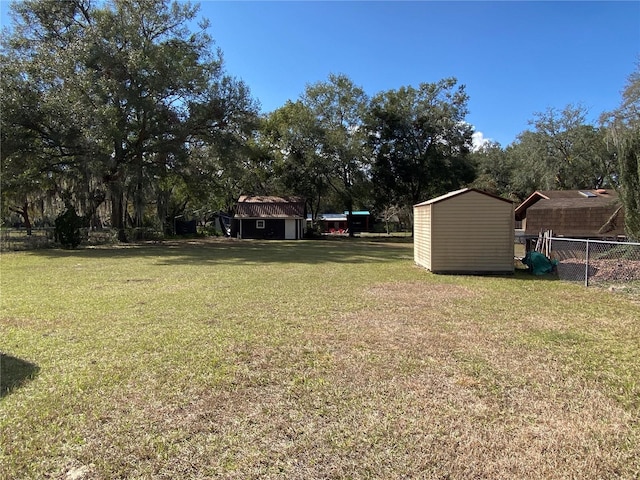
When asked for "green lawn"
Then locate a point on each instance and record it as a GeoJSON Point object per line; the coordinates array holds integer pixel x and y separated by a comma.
{"type": "Point", "coordinates": [308, 359]}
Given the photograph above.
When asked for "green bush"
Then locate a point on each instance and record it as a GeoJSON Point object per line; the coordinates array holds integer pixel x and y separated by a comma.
{"type": "Point", "coordinates": [67, 228]}
{"type": "Point", "coordinates": [314, 230]}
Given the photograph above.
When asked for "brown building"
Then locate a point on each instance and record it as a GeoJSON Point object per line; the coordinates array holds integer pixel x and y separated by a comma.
{"type": "Point", "coordinates": [572, 214]}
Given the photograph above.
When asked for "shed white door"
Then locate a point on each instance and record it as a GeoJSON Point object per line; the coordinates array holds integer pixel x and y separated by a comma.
{"type": "Point", "coordinates": [290, 229]}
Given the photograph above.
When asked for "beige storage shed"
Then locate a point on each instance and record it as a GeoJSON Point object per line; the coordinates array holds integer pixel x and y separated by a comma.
{"type": "Point", "coordinates": [466, 232]}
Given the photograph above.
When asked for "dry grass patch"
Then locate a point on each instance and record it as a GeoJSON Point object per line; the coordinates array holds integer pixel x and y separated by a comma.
{"type": "Point", "coordinates": [501, 410]}
{"type": "Point", "coordinates": [418, 294]}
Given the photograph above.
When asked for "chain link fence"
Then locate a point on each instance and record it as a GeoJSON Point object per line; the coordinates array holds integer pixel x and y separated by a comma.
{"type": "Point", "coordinates": [23, 239]}
{"type": "Point", "coordinates": [596, 262]}
{"type": "Point", "coordinates": [12, 239]}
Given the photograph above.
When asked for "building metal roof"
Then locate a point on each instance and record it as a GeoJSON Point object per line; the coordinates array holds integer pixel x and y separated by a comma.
{"type": "Point", "coordinates": [358, 212]}
{"type": "Point", "coordinates": [338, 217]}
{"type": "Point", "coordinates": [333, 217]}
{"type": "Point", "coordinates": [269, 207]}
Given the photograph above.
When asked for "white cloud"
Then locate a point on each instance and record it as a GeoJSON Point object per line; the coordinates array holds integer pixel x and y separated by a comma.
{"type": "Point", "coordinates": [478, 141]}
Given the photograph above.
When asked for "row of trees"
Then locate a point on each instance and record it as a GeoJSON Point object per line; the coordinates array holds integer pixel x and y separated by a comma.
{"type": "Point", "coordinates": [562, 151]}
{"type": "Point", "coordinates": [120, 104]}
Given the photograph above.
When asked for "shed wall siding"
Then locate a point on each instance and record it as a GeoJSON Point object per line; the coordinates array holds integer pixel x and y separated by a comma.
{"type": "Point", "coordinates": [472, 232]}
{"type": "Point", "coordinates": [274, 228]}
{"type": "Point", "coordinates": [422, 236]}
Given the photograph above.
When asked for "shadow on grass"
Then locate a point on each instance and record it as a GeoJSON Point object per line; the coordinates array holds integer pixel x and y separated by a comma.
{"type": "Point", "coordinates": [524, 274]}
{"type": "Point", "coordinates": [233, 251]}
{"type": "Point", "coordinates": [14, 372]}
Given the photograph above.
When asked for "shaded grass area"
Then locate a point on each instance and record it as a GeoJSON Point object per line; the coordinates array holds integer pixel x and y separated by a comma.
{"type": "Point", "coordinates": [326, 359]}
{"type": "Point", "coordinates": [14, 372]}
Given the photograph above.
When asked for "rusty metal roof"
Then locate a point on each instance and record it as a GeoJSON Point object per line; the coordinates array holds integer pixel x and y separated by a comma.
{"type": "Point", "coordinates": [269, 207]}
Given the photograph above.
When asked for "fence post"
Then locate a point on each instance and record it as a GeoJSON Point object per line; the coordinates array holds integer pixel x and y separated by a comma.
{"type": "Point", "coordinates": [586, 266]}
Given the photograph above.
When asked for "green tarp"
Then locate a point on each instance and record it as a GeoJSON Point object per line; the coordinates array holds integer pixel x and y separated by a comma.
{"type": "Point", "coordinates": [538, 263]}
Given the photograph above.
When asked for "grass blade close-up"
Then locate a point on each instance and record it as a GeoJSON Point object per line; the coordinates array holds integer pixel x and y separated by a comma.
{"type": "Point", "coordinates": [308, 359]}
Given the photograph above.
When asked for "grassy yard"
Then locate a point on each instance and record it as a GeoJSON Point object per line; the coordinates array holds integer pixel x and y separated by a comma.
{"type": "Point", "coordinates": [325, 359]}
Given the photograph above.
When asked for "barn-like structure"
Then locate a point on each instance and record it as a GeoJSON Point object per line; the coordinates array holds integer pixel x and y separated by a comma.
{"type": "Point", "coordinates": [269, 217]}
{"type": "Point", "coordinates": [339, 222]}
{"type": "Point", "coordinates": [465, 232]}
{"type": "Point", "coordinates": [572, 213]}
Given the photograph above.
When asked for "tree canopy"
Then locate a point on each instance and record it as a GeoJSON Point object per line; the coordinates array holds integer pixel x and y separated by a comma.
{"type": "Point", "coordinates": [123, 112]}
{"type": "Point", "coordinates": [338, 106]}
{"type": "Point", "coordinates": [623, 131]}
{"type": "Point", "coordinates": [419, 142]}
{"type": "Point", "coordinates": [111, 99]}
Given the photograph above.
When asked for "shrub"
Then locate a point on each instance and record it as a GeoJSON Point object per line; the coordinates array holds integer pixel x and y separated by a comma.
{"type": "Point", "coordinates": [67, 228]}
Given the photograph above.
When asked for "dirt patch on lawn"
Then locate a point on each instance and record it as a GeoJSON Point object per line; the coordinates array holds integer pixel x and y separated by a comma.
{"type": "Point", "coordinates": [418, 294]}
{"type": "Point", "coordinates": [405, 313]}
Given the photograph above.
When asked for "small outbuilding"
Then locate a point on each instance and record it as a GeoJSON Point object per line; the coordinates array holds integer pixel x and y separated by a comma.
{"type": "Point", "coordinates": [465, 232]}
{"type": "Point", "coordinates": [333, 222]}
{"type": "Point", "coordinates": [269, 217]}
{"type": "Point", "coordinates": [339, 222]}
{"type": "Point", "coordinates": [595, 214]}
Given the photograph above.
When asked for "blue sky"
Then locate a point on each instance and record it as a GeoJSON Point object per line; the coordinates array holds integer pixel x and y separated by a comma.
{"type": "Point", "coordinates": [515, 58]}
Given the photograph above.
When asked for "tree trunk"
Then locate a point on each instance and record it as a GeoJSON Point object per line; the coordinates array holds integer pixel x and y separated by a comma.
{"type": "Point", "coordinates": [23, 211]}
{"type": "Point", "coordinates": [117, 211]}
{"type": "Point", "coordinates": [25, 215]}
{"type": "Point", "coordinates": [350, 216]}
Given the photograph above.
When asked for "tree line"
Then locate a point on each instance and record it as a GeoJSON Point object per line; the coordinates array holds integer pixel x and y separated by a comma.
{"type": "Point", "coordinates": [121, 106]}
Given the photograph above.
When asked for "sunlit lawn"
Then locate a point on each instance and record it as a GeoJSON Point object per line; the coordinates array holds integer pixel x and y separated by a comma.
{"type": "Point", "coordinates": [308, 359]}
